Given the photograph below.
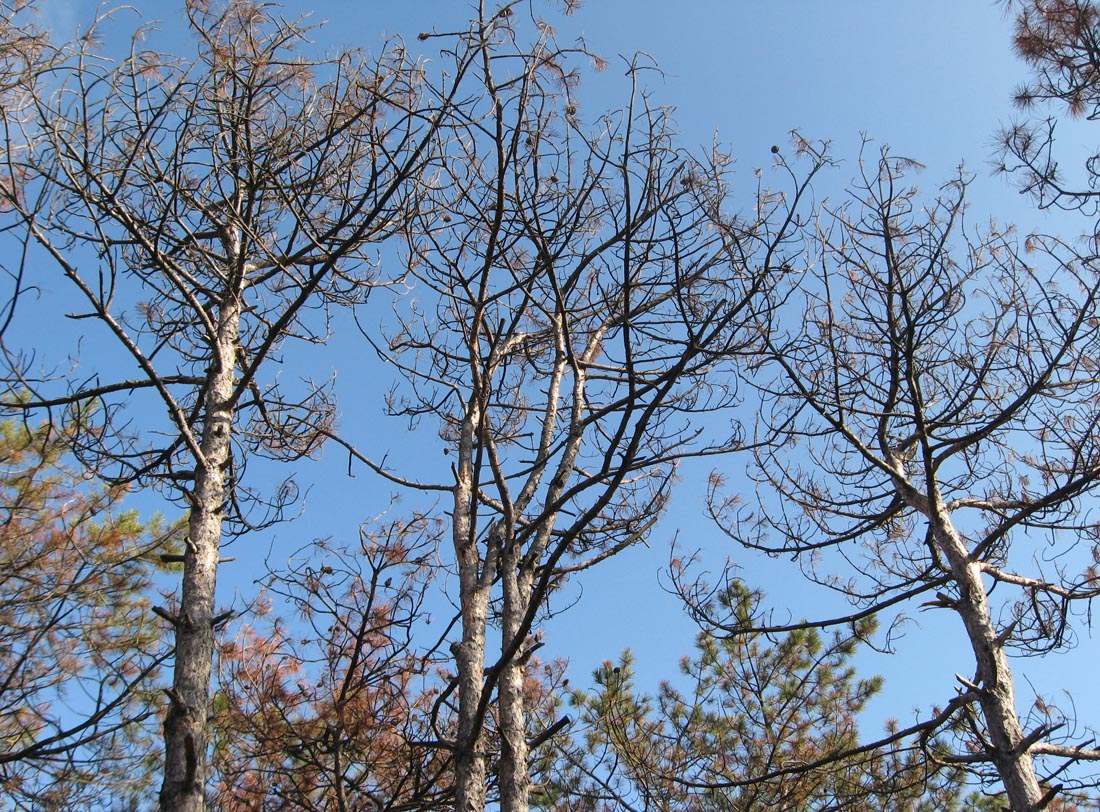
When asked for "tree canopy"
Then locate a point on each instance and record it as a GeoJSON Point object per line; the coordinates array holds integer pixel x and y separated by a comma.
{"type": "Point", "coordinates": [575, 311]}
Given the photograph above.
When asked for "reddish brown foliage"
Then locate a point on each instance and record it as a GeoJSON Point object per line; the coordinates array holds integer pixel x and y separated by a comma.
{"type": "Point", "coordinates": [335, 710]}
{"type": "Point", "coordinates": [1058, 39]}
{"type": "Point", "coordinates": [77, 641]}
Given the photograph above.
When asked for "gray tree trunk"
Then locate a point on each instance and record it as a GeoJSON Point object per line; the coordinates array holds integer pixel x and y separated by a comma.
{"type": "Point", "coordinates": [474, 581]}
{"type": "Point", "coordinates": [185, 724]}
{"type": "Point", "coordinates": [514, 778]}
{"type": "Point", "coordinates": [996, 691]}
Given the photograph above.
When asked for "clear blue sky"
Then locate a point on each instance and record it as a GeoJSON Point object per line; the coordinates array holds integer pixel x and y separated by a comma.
{"type": "Point", "coordinates": [933, 78]}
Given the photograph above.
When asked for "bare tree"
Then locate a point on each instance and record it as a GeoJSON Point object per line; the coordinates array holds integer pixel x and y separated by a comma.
{"type": "Point", "coordinates": [204, 211]}
{"type": "Point", "coordinates": [929, 417]}
{"type": "Point", "coordinates": [576, 281]}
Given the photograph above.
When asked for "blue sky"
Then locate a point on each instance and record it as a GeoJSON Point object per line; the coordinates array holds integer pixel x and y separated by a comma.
{"type": "Point", "coordinates": [932, 78]}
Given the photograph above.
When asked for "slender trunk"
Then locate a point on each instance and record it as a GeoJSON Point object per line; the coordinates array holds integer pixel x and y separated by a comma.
{"type": "Point", "coordinates": [997, 694]}
{"type": "Point", "coordinates": [518, 569]}
{"type": "Point", "coordinates": [338, 769]}
{"type": "Point", "coordinates": [514, 779]}
{"type": "Point", "coordinates": [470, 763]}
{"type": "Point", "coordinates": [474, 583]}
{"type": "Point", "coordinates": [185, 724]}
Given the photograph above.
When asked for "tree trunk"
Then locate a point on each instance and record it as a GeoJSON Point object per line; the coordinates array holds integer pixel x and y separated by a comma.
{"type": "Point", "coordinates": [470, 765]}
{"type": "Point", "coordinates": [185, 725]}
{"type": "Point", "coordinates": [997, 694]}
{"type": "Point", "coordinates": [514, 779]}
{"type": "Point", "coordinates": [475, 581]}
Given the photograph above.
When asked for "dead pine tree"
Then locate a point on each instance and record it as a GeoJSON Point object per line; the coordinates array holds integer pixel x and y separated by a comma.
{"type": "Point", "coordinates": [928, 419]}
{"type": "Point", "coordinates": [576, 280]}
{"type": "Point", "coordinates": [203, 211]}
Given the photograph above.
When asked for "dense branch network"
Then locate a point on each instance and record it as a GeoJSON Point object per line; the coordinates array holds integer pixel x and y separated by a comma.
{"type": "Point", "coordinates": [933, 421]}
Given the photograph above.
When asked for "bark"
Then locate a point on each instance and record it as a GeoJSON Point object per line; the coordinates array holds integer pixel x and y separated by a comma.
{"type": "Point", "coordinates": [997, 693]}
{"type": "Point", "coordinates": [474, 582]}
{"type": "Point", "coordinates": [939, 464]}
{"type": "Point", "coordinates": [514, 777]}
{"type": "Point", "coordinates": [470, 762]}
{"type": "Point", "coordinates": [186, 731]}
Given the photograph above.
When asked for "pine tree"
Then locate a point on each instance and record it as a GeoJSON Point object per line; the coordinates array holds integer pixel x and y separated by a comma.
{"type": "Point", "coordinates": [751, 724]}
{"type": "Point", "coordinates": [79, 645]}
